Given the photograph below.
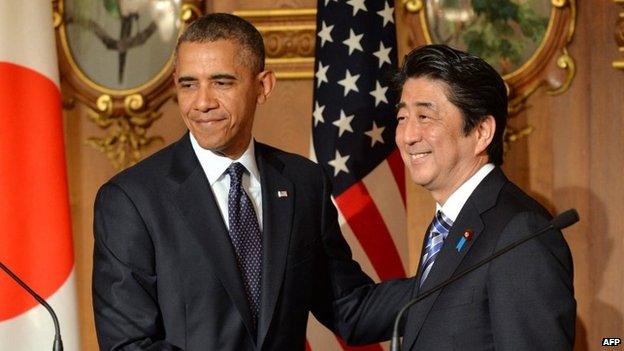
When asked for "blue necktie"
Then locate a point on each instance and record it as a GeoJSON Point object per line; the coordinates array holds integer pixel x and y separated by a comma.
{"type": "Point", "coordinates": [246, 238]}
{"type": "Point", "coordinates": [438, 231]}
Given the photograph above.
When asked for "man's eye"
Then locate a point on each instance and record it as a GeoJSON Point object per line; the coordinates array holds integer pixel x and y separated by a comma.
{"type": "Point", "coordinates": [400, 118]}
{"type": "Point", "coordinates": [423, 117]}
{"type": "Point", "coordinates": [222, 83]}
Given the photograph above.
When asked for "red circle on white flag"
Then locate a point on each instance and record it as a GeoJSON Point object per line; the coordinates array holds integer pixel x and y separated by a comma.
{"type": "Point", "coordinates": [35, 241]}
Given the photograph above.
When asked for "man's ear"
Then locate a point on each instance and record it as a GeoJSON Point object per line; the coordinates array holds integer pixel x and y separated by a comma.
{"type": "Point", "coordinates": [484, 134]}
{"type": "Point", "coordinates": [266, 80]}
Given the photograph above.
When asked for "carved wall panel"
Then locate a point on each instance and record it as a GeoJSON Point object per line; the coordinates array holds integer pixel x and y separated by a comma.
{"type": "Point", "coordinates": [289, 37]}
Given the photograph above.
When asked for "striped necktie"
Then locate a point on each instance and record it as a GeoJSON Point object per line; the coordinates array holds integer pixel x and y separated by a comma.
{"type": "Point", "coordinates": [438, 231]}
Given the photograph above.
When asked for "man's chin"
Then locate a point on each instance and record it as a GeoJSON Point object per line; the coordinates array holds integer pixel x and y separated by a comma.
{"type": "Point", "coordinates": [420, 179]}
{"type": "Point", "coordinates": [207, 144]}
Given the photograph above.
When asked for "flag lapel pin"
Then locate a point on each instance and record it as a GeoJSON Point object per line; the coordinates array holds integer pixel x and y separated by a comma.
{"type": "Point", "coordinates": [467, 236]}
{"type": "Point", "coordinates": [282, 193]}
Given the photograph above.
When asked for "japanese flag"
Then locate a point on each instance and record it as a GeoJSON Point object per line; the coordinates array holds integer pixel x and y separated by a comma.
{"type": "Point", "coordinates": [35, 227]}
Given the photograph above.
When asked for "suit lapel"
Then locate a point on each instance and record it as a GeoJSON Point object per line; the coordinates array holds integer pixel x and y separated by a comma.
{"type": "Point", "coordinates": [443, 268]}
{"type": "Point", "coordinates": [469, 218]}
{"type": "Point", "coordinates": [196, 202]}
{"type": "Point", "coordinates": [412, 323]}
{"type": "Point", "coordinates": [277, 214]}
{"type": "Point", "coordinates": [449, 258]}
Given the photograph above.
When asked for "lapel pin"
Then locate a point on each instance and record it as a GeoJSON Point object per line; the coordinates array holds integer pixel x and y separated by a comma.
{"type": "Point", "coordinates": [282, 193]}
{"type": "Point", "coordinates": [467, 236]}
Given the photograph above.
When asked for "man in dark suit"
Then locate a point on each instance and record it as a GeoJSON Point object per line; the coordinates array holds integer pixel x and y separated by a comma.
{"type": "Point", "coordinates": [451, 120]}
{"type": "Point", "coordinates": [218, 242]}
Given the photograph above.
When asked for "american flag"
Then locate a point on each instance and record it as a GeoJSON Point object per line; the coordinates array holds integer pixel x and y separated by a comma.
{"type": "Point", "coordinates": [353, 137]}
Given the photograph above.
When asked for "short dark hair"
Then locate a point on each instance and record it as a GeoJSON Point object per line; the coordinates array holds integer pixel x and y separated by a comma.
{"type": "Point", "coordinates": [473, 86]}
{"type": "Point", "coordinates": [224, 26]}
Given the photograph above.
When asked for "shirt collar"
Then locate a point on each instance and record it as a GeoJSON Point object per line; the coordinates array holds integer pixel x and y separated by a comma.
{"type": "Point", "coordinates": [458, 198]}
{"type": "Point", "coordinates": [215, 165]}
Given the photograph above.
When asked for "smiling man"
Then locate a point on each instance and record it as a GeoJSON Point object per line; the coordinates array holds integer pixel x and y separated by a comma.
{"type": "Point", "coordinates": [451, 120]}
{"type": "Point", "coordinates": [219, 242]}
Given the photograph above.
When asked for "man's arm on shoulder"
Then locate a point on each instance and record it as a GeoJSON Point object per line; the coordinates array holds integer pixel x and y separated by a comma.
{"type": "Point", "coordinates": [125, 301]}
{"type": "Point", "coordinates": [531, 296]}
{"type": "Point", "coordinates": [363, 312]}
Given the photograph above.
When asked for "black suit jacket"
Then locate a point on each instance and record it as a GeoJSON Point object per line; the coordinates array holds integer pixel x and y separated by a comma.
{"type": "Point", "coordinates": [165, 275]}
{"type": "Point", "coordinates": [523, 300]}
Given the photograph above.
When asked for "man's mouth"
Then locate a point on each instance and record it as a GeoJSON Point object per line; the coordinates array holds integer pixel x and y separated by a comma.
{"type": "Point", "coordinates": [208, 121]}
{"type": "Point", "coordinates": [419, 155]}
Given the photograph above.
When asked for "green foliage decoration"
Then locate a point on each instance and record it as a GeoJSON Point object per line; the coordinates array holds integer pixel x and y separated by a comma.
{"type": "Point", "coordinates": [500, 30]}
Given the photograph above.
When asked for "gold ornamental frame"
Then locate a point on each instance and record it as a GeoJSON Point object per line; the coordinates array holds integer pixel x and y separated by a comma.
{"type": "Point", "coordinates": [125, 114]}
{"type": "Point", "coordinates": [532, 74]}
{"type": "Point", "coordinates": [619, 36]}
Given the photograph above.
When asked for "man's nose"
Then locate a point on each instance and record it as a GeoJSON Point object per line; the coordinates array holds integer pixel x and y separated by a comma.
{"type": "Point", "coordinates": [205, 100]}
{"type": "Point", "coordinates": [412, 132]}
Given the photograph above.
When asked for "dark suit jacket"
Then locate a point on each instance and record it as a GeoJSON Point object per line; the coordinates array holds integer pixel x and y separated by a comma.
{"type": "Point", "coordinates": [165, 276]}
{"type": "Point", "coordinates": [523, 300]}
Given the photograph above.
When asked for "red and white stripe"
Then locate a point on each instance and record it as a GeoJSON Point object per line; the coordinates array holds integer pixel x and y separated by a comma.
{"type": "Point", "coordinates": [373, 220]}
{"type": "Point", "coordinates": [35, 241]}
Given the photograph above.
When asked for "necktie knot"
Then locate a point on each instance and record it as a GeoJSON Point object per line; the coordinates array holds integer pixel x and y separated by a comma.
{"type": "Point", "coordinates": [236, 171]}
{"type": "Point", "coordinates": [441, 224]}
{"type": "Point", "coordinates": [439, 229]}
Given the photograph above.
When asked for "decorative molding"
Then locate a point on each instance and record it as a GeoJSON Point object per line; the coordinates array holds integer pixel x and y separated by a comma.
{"type": "Point", "coordinates": [513, 134]}
{"type": "Point", "coordinates": [125, 115]}
{"type": "Point", "coordinates": [532, 75]}
{"type": "Point", "coordinates": [413, 6]}
{"type": "Point", "coordinates": [289, 44]}
{"type": "Point", "coordinates": [289, 38]}
{"type": "Point", "coordinates": [565, 62]}
{"type": "Point", "coordinates": [127, 131]}
{"type": "Point", "coordinates": [189, 12]}
{"type": "Point", "coordinates": [619, 36]}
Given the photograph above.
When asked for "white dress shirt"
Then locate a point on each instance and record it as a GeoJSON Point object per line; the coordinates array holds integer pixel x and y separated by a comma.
{"type": "Point", "coordinates": [458, 198]}
{"type": "Point", "coordinates": [215, 167]}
